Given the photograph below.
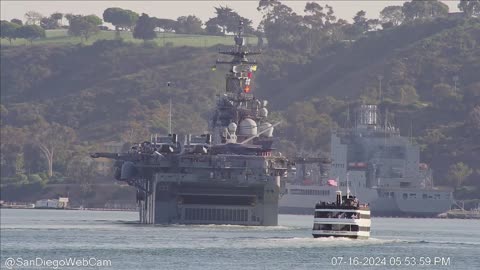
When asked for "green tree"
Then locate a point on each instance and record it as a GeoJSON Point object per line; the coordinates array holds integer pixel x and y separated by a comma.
{"type": "Point", "coordinates": [120, 18]}
{"type": "Point", "coordinates": [360, 21]}
{"type": "Point", "coordinates": [473, 121]}
{"type": "Point", "coordinates": [49, 23]}
{"type": "Point", "coordinates": [167, 25]}
{"type": "Point", "coordinates": [284, 29]}
{"type": "Point", "coordinates": [52, 22]}
{"type": "Point", "coordinates": [458, 172]}
{"type": "Point", "coordinates": [17, 21]}
{"type": "Point", "coordinates": [33, 158]}
{"type": "Point", "coordinates": [212, 27]}
{"type": "Point", "coordinates": [307, 126]}
{"type": "Point", "coordinates": [315, 17]}
{"type": "Point", "coordinates": [82, 170]}
{"type": "Point", "coordinates": [420, 9]}
{"type": "Point", "coordinates": [8, 30]}
{"type": "Point", "coordinates": [11, 150]}
{"type": "Point", "coordinates": [190, 24]}
{"type": "Point", "coordinates": [144, 29]}
{"type": "Point", "coordinates": [57, 16]}
{"type": "Point", "coordinates": [84, 26]}
{"type": "Point", "coordinates": [33, 18]}
{"type": "Point", "coordinates": [445, 96]}
{"type": "Point", "coordinates": [405, 94]}
{"type": "Point", "coordinates": [470, 7]}
{"type": "Point", "coordinates": [30, 32]}
{"type": "Point", "coordinates": [392, 14]}
{"type": "Point", "coordinates": [50, 139]}
{"type": "Point", "coordinates": [227, 20]}
{"type": "Point", "coordinates": [361, 25]}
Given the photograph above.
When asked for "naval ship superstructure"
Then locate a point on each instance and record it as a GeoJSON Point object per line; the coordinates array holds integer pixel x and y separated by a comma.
{"type": "Point", "coordinates": [377, 164]}
{"type": "Point", "coordinates": [228, 176]}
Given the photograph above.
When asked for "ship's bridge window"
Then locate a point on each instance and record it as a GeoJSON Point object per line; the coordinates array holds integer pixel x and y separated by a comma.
{"type": "Point", "coordinates": [405, 196]}
{"type": "Point", "coordinates": [397, 152]}
{"type": "Point", "coordinates": [404, 184]}
{"type": "Point", "coordinates": [437, 196]}
{"type": "Point", "coordinates": [309, 192]}
{"type": "Point", "coordinates": [424, 196]}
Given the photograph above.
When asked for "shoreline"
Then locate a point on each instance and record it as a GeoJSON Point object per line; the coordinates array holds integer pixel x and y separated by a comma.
{"type": "Point", "coordinates": [70, 209]}
{"type": "Point", "coordinates": [448, 215]}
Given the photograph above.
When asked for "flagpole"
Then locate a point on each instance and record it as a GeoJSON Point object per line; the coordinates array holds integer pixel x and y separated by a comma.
{"type": "Point", "coordinates": [348, 189]}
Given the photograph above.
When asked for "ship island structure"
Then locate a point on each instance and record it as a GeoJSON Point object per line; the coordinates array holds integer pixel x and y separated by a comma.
{"type": "Point", "coordinates": [228, 176]}
{"type": "Point", "coordinates": [372, 160]}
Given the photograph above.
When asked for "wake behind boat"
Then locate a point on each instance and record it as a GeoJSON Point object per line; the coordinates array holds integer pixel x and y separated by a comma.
{"type": "Point", "coordinates": [345, 217]}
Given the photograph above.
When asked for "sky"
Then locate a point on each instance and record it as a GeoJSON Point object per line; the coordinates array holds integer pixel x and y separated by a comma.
{"type": "Point", "coordinates": [174, 9]}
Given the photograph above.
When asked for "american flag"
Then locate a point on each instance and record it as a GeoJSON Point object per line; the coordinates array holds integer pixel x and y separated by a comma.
{"type": "Point", "coordinates": [332, 183]}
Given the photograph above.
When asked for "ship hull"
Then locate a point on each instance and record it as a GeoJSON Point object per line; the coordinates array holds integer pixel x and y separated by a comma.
{"type": "Point", "coordinates": [418, 203]}
{"type": "Point", "coordinates": [210, 203]}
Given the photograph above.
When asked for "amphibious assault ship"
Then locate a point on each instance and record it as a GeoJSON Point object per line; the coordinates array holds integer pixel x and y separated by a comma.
{"type": "Point", "coordinates": [375, 162]}
{"type": "Point", "coordinates": [228, 176]}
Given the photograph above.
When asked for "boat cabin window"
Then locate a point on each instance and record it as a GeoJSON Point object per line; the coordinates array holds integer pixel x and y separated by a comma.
{"type": "Point", "coordinates": [335, 214]}
{"type": "Point", "coordinates": [340, 227]}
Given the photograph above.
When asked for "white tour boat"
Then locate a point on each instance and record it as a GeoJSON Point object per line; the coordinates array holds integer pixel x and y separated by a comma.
{"type": "Point", "coordinates": [344, 218]}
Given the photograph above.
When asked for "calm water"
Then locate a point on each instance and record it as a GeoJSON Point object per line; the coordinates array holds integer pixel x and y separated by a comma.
{"type": "Point", "coordinates": [58, 234]}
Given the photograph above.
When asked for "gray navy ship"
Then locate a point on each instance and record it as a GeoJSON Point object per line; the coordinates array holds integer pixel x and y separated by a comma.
{"type": "Point", "coordinates": [377, 164]}
{"type": "Point", "coordinates": [229, 176]}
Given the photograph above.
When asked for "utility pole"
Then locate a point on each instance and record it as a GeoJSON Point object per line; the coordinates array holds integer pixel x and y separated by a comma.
{"type": "Point", "coordinates": [169, 110]}
{"type": "Point", "coordinates": [455, 80]}
{"type": "Point", "coordinates": [380, 78]}
{"type": "Point", "coordinates": [170, 117]}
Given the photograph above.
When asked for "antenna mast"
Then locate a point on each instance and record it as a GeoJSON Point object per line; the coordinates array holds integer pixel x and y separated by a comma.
{"type": "Point", "coordinates": [348, 115]}
{"type": "Point", "coordinates": [348, 188]}
{"type": "Point", "coordinates": [170, 117]}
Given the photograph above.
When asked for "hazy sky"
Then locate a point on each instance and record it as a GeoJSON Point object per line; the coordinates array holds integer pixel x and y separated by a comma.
{"type": "Point", "coordinates": [174, 9]}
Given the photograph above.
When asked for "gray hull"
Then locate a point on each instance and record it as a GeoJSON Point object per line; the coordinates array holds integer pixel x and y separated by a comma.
{"type": "Point", "coordinates": [398, 202]}
{"type": "Point", "coordinates": [211, 203]}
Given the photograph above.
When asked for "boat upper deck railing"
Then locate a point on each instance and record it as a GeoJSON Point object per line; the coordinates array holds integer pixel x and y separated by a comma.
{"type": "Point", "coordinates": [333, 205]}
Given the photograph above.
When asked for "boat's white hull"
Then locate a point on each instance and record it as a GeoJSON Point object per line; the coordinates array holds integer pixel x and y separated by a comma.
{"type": "Point", "coordinates": [325, 233]}
{"type": "Point", "coordinates": [339, 222]}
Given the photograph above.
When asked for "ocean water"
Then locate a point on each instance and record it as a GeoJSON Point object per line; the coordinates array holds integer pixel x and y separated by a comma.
{"type": "Point", "coordinates": [57, 239]}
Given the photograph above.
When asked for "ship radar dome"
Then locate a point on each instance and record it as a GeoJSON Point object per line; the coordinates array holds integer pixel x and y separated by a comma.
{"type": "Point", "coordinates": [232, 128]}
{"type": "Point", "coordinates": [247, 127]}
{"type": "Point", "coordinates": [263, 112]}
{"type": "Point", "coordinates": [266, 126]}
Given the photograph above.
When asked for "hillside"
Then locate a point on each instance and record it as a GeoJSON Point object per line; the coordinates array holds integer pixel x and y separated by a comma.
{"type": "Point", "coordinates": [351, 68]}
{"type": "Point", "coordinates": [430, 85]}
{"type": "Point", "coordinates": [60, 36]}
{"type": "Point", "coordinates": [113, 90]}
{"type": "Point", "coordinates": [100, 90]}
